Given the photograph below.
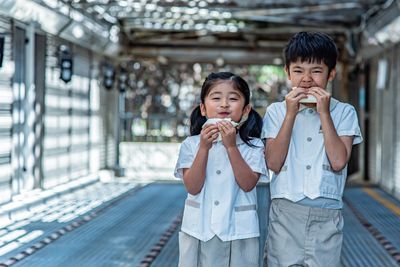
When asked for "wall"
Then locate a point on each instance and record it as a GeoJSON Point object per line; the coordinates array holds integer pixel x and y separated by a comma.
{"type": "Point", "coordinates": [384, 134]}
{"type": "Point", "coordinates": [6, 72]}
{"type": "Point", "coordinates": [51, 132]}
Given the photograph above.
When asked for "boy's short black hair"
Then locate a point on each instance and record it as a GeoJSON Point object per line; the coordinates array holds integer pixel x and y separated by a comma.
{"type": "Point", "coordinates": [311, 46]}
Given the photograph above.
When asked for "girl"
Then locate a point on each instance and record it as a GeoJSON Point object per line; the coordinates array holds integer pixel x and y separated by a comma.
{"type": "Point", "coordinates": [220, 221]}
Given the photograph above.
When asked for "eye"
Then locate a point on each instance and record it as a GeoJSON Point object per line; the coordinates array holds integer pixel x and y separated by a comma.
{"type": "Point", "coordinates": [233, 98]}
{"type": "Point", "coordinates": [297, 71]}
{"type": "Point", "coordinates": [215, 98]}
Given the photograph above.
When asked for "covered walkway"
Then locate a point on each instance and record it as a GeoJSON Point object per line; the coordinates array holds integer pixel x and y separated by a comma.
{"type": "Point", "coordinates": [89, 87]}
{"type": "Point", "coordinates": [129, 224]}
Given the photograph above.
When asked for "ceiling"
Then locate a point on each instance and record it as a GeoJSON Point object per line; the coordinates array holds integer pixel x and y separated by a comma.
{"type": "Point", "coordinates": [235, 31]}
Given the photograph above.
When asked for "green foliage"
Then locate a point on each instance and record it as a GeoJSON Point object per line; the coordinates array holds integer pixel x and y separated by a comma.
{"type": "Point", "coordinates": [266, 73]}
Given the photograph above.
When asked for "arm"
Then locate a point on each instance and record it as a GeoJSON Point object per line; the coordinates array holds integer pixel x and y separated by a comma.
{"type": "Point", "coordinates": [338, 149]}
{"type": "Point", "coordinates": [276, 149]}
{"type": "Point", "coordinates": [244, 175]}
{"type": "Point", "coordinates": [194, 177]}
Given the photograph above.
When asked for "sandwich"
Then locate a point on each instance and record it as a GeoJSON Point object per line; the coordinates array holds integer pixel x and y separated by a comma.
{"type": "Point", "coordinates": [215, 120]}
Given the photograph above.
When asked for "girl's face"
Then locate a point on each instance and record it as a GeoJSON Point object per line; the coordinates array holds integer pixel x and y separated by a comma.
{"type": "Point", "coordinates": [224, 101]}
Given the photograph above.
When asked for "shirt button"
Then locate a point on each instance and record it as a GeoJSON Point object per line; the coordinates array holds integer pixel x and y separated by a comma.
{"type": "Point", "coordinates": [218, 172]}
{"type": "Point", "coordinates": [310, 111]}
{"type": "Point", "coordinates": [308, 167]}
{"type": "Point", "coordinates": [216, 202]}
{"type": "Point", "coordinates": [309, 139]}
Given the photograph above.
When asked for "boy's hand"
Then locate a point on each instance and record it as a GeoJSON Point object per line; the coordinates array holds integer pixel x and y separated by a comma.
{"type": "Point", "coordinates": [323, 99]}
{"type": "Point", "coordinates": [228, 134]}
{"type": "Point", "coordinates": [207, 135]}
{"type": "Point", "coordinates": [293, 98]}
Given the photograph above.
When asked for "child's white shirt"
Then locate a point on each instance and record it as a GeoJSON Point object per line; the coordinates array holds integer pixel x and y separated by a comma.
{"type": "Point", "coordinates": [221, 208]}
{"type": "Point", "coordinates": [307, 171]}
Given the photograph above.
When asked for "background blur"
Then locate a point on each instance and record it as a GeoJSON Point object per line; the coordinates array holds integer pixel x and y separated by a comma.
{"type": "Point", "coordinates": [96, 91]}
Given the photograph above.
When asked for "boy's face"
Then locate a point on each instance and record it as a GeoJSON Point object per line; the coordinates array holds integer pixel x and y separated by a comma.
{"type": "Point", "coordinates": [309, 74]}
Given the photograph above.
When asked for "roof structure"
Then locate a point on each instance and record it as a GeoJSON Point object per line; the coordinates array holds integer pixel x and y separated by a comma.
{"type": "Point", "coordinates": [236, 31]}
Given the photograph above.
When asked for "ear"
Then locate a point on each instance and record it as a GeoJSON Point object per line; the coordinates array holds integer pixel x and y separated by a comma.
{"type": "Point", "coordinates": [287, 71]}
{"type": "Point", "coordinates": [203, 110]}
{"type": "Point", "coordinates": [332, 74]}
{"type": "Point", "coordinates": [246, 110]}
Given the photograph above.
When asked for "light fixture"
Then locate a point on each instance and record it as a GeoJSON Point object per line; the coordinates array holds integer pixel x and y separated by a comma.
{"type": "Point", "coordinates": [65, 62]}
{"type": "Point", "coordinates": [77, 31]}
{"type": "Point", "coordinates": [220, 61]}
{"type": "Point", "coordinates": [122, 78]}
{"type": "Point", "coordinates": [277, 61]}
{"type": "Point", "coordinates": [108, 76]}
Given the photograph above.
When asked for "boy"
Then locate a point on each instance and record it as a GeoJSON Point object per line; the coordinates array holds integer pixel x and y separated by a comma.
{"type": "Point", "coordinates": [309, 138]}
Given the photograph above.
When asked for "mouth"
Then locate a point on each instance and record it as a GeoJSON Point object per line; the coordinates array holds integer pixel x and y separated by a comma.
{"type": "Point", "coordinates": [223, 114]}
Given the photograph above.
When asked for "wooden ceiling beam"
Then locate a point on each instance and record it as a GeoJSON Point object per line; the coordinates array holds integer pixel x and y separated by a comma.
{"type": "Point", "coordinates": [205, 55]}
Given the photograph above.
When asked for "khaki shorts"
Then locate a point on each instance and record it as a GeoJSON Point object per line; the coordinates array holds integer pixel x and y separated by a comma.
{"type": "Point", "coordinates": [303, 236]}
{"type": "Point", "coordinates": [217, 253]}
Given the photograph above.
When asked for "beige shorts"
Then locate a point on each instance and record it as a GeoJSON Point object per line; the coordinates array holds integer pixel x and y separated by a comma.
{"type": "Point", "coordinates": [217, 253]}
{"type": "Point", "coordinates": [303, 236]}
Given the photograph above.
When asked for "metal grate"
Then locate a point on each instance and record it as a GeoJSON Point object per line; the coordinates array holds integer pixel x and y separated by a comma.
{"type": "Point", "coordinates": [170, 253]}
{"type": "Point", "coordinates": [121, 236]}
{"type": "Point", "coordinates": [366, 240]}
{"type": "Point", "coordinates": [382, 218]}
{"type": "Point", "coordinates": [125, 233]}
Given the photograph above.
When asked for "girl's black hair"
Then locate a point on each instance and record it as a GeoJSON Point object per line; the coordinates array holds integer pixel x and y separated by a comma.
{"type": "Point", "coordinates": [311, 46]}
{"type": "Point", "coordinates": [253, 125]}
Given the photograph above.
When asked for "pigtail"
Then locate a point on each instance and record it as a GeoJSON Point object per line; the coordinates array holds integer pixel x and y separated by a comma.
{"type": "Point", "coordinates": [251, 128]}
{"type": "Point", "coordinates": [196, 121]}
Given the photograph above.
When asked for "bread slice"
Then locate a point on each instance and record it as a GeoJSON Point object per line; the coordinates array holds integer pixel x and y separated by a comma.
{"type": "Point", "coordinates": [215, 120]}
{"type": "Point", "coordinates": [309, 100]}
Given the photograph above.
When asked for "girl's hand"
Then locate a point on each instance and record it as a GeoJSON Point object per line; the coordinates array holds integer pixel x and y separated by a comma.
{"type": "Point", "coordinates": [207, 135]}
{"type": "Point", "coordinates": [323, 99]}
{"type": "Point", "coordinates": [292, 99]}
{"type": "Point", "coordinates": [228, 134]}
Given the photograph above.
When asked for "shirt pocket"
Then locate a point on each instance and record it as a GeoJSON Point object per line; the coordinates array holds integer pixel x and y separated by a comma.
{"type": "Point", "coordinates": [191, 215]}
{"type": "Point", "coordinates": [246, 220]}
{"type": "Point", "coordinates": [331, 181]}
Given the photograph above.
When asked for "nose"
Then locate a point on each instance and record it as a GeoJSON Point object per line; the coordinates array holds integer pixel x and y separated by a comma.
{"type": "Point", "coordinates": [224, 102]}
{"type": "Point", "coordinates": [307, 77]}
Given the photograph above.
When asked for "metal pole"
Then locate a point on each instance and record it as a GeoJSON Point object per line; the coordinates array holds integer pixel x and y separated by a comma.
{"type": "Point", "coordinates": [118, 170]}
{"type": "Point", "coordinates": [29, 118]}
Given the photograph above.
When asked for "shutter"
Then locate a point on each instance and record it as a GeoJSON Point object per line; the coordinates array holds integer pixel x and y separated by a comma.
{"type": "Point", "coordinates": [6, 73]}
{"type": "Point", "coordinates": [67, 118]}
{"type": "Point", "coordinates": [396, 110]}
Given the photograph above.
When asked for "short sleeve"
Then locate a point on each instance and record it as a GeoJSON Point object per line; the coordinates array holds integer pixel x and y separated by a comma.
{"type": "Point", "coordinates": [185, 158]}
{"type": "Point", "coordinates": [271, 123]}
{"type": "Point", "coordinates": [349, 126]}
{"type": "Point", "coordinates": [256, 161]}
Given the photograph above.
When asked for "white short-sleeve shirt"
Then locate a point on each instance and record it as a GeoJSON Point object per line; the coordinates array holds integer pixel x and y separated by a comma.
{"type": "Point", "coordinates": [222, 208]}
{"type": "Point", "coordinates": [307, 171]}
